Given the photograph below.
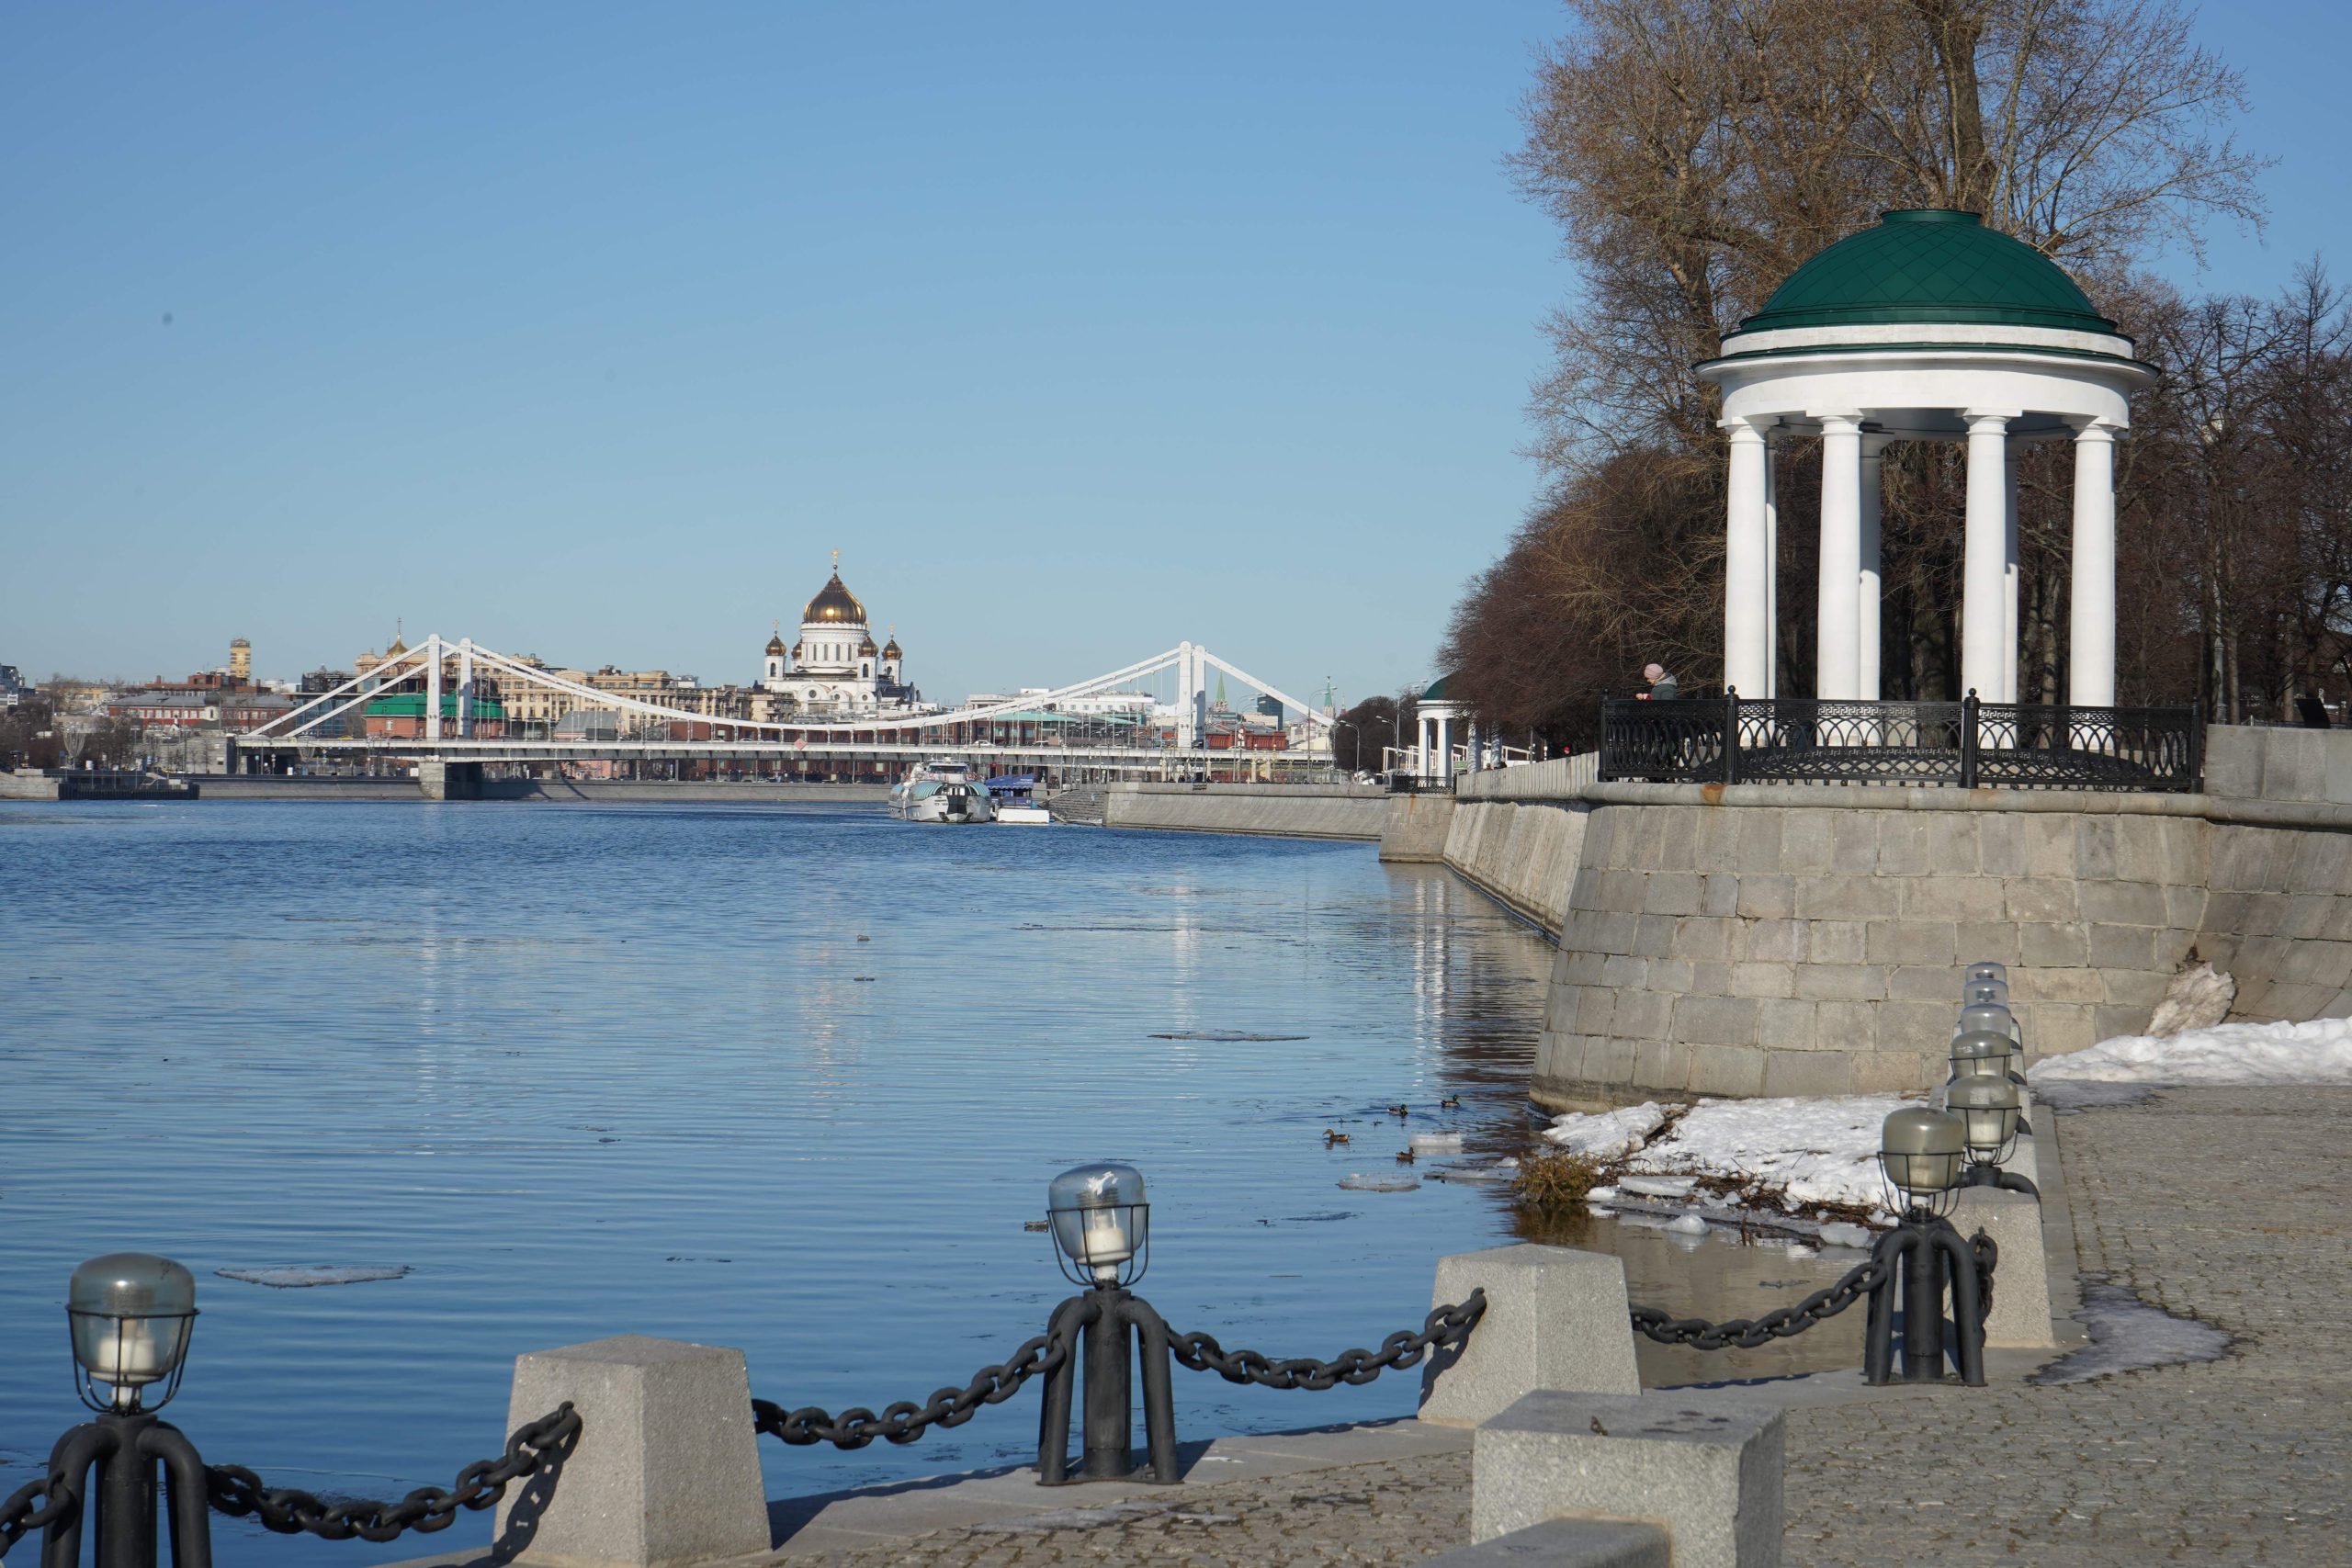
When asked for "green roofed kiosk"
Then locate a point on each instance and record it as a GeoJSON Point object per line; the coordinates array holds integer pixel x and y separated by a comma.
{"type": "Point", "coordinates": [1928, 327]}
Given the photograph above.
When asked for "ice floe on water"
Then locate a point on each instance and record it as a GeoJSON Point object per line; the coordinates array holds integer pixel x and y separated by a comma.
{"type": "Point", "coordinates": [2129, 1336]}
{"type": "Point", "coordinates": [1239, 1036]}
{"type": "Point", "coordinates": [1362, 1183]}
{"type": "Point", "coordinates": [2226, 1055]}
{"type": "Point", "coordinates": [299, 1276]}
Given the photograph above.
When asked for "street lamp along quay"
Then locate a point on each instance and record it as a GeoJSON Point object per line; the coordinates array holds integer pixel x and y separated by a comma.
{"type": "Point", "coordinates": [1101, 1221]}
{"type": "Point", "coordinates": [1921, 1153]}
{"type": "Point", "coordinates": [130, 1315]}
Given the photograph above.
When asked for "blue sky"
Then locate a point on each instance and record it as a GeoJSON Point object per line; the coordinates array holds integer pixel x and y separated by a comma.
{"type": "Point", "coordinates": [588, 331]}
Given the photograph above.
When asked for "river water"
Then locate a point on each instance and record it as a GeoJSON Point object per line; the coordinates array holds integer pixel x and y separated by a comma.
{"type": "Point", "coordinates": [788, 1078]}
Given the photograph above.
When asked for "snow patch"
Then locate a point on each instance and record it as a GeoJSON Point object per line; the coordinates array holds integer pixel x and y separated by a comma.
{"type": "Point", "coordinates": [1606, 1134]}
{"type": "Point", "coordinates": [1812, 1151]}
{"type": "Point", "coordinates": [301, 1276]}
{"type": "Point", "coordinates": [2228, 1054]}
{"type": "Point", "coordinates": [2199, 998]}
{"type": "Point", "coordinates": [2129, 1336]}
{"type": "Point", "coordinates": [1362, 1183]}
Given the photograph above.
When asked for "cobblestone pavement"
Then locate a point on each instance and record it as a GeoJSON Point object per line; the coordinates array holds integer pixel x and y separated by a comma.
{"type": "Point", "coordinates": [2227, 1206]}
{"type": "Point", "coordinates": [1391, 1514]}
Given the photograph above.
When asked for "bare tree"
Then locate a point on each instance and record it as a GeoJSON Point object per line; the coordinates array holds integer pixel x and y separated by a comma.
{"type": "Point", "coordinates": [1695, 151]}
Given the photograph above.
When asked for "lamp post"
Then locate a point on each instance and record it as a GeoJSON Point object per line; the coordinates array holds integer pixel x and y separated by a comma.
{"type": "Point", "coordinates": [1921, 1155]}
{"type": "Point", "coordinates": [1101, 1221]}
{"type": "Point", "coordinates": [130, 1315]}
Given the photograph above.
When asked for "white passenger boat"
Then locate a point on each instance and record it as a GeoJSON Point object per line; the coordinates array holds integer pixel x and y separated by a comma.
{"type": "Point", "coordinates": [942, 791]}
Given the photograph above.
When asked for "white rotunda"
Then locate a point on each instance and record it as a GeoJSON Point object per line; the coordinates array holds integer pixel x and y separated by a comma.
{"type": "Point", "coordinates": [1928, 327]}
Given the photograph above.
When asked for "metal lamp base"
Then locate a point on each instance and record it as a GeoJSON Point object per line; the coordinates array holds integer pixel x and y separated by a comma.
{"type": "Point", "coordinates": [1105, 1324]}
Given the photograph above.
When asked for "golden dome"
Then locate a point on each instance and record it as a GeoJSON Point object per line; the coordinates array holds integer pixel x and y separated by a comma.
{"type": "Point", "coordinates": [867, 648]}
{"type": "Point", "coordinates": [834, 602]}
{"type": "Point", "coordinates": [776, 645]}
{"type": "Point", "coordinates": [891, 649]}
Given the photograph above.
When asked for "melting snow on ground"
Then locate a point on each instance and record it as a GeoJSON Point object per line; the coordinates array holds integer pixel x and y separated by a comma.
{"type": "Point", "coordinates": [2243, 1054]}
{"type": "Point", "coordinates": [1809, 1151]}
{"type": "Point", "coordinates": [296, 1276]}
{"type": "Point", "coordinates": [2129, 1336]}
{"type": "Point", "coordinates": [1607, 1135]}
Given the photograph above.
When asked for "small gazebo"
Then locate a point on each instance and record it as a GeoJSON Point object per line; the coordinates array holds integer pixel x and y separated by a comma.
{"type": "Point", "coordinates": [1436, 716]}
{"type": "Point", "coordinates": [1929, 327]}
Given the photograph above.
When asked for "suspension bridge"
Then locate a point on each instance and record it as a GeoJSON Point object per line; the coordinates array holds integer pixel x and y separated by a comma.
{"type": "Point", "coordinates": [470, 695]}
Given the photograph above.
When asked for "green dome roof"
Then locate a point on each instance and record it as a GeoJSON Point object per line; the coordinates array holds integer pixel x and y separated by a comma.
{"type": "Point", "coordinates": [1437, 689]}
{"type": "Point", "coordinates": [1929, 265]}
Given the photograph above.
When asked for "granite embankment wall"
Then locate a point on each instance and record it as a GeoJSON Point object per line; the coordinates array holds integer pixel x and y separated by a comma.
{"type": "Point", "coordinates": [1291, 811]}
{"type": "Point", "coordinates": [1807, 940]}
{"type": "Point", "coordinates": [1514, 833]}
{"type": "Point", "coordinates": [266, 786]}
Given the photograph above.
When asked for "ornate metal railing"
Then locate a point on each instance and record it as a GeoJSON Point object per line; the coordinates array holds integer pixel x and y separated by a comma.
{"type": "Point", "coordinates": [1972, 744]}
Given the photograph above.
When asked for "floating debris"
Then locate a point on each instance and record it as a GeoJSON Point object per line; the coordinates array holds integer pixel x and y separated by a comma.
{"type": "Point", "coordinates": [1437, 1142]}
{"type": "Point", "coordinates": [1362, 1183]}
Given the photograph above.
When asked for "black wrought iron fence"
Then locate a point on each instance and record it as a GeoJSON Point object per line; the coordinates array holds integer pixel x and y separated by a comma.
{"type": "Point", "coordinates": [1971, 744]}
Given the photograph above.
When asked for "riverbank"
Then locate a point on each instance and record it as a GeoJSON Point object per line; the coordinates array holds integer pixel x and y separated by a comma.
{"type": "Point", "coordinates": [2234, 1460]}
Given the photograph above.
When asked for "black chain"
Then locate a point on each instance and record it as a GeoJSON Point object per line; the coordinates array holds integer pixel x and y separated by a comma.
{"type": "Point", "coordinates": [543, 1443]}
{"type": "Point", "coordinates": [1746, 1332]}
{"type": "Point", "coordinates": [35, 1506]}
{"type": "Point", "coordinates": [906, 1421]}
{"type": "Point", "coordinates": [1988, 1254]}
{"type": "Point", "coordinates": [1446, 1326]}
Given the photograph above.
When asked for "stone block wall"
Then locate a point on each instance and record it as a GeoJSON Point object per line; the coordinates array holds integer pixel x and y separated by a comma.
{"type": "Point", "coordinates": [1290, 811]}
{"type": "Point", "coordinates": [1523, 854]}
{"type": "Point", "coordinates": [1773, 941]}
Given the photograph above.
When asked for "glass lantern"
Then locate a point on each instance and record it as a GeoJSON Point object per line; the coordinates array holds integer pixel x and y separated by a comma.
{"type": "Point", "coordinates": [1989, 1107]}
{"type": "Point", "coordinates": [1981, 1053]}
{"type": "Point", "coordinates": [1995, 993]}
{"type": "Point", "coordinates": [1920, 1153]}
{"type": "Point", "coordinates": [130, 1315]}
{"type": "Point", "coordinates": [1987, 970]}
{"type": "Point", "coordinates": [1101, 1221]}
{"type": "Point", "coordinates": [1990, 1017]}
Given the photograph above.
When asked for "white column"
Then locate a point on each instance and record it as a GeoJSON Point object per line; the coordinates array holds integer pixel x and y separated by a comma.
{"type": "Point", "coordinates": [466, 687]}
{"type": "Point", "coordinates": [1873, 587]}
{"type": "Point", "coordinates": [1187, 712]}
{"type": "Point", "coordinates": [1771, 568]}
{"type": "Point", "coordinates": [1445, 747]}
{"type": "Point", "coordinates": [2091, 666]}
{"type": "Point", "coordinates": [1984, 566]}
{"type": "Point", "coordinates": [1837, 648]}
{"type": "Point", "coordinates": [433, 688]}
{"type": "Point", "coordinates": [1747, 640]}
{"type": "Point", "coordinates": [2009, 639]}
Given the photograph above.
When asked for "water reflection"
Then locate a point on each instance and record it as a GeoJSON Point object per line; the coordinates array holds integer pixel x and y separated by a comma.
{"type": "Point", "coordinates": [594, 1070]}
